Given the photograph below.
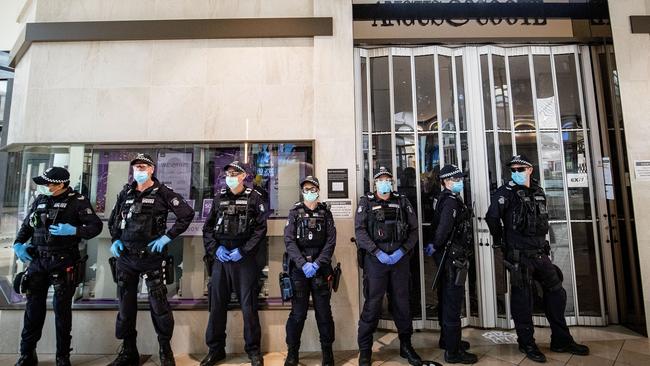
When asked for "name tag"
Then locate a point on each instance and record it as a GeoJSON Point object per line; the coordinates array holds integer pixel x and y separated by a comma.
{"type": "Point", "coordinates": [128, 202]}
{"type": "Point", "coordinates": [61, 204]}
{"type": "Point", "coordinates": [241, 202]}
{"type": "Point", "coordinates": [42, 205]}
{"type": "Point", "coordinates": [148, 201]}
{"type": "Point", "coordinates": [376, 208]}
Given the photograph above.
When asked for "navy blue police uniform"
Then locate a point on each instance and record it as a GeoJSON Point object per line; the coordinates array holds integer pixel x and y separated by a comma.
{"type": "Point", "coordinates": [56, 260]}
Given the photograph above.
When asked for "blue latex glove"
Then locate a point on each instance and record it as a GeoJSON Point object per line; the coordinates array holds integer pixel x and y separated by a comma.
{"type": "Point", "coordinates": [316, 266]}
{"type": "Point", "coordinates": [223, 254]}
{"type": "Point", "coordinates": [159, 244]}
{"type": "Point", "coordinates": [396, 256]}
{"type": "Point", "coordinates": [309, 270]}
{"type": "Point", "coordinates": [63, 229]}
{"type": "Point", "coordinates": [117, 247]}
{"type": "Point", "coordinates": [21, 252]}
{"type": "Point", "coordinates": [429, 250]}
{"type": "Point", "coordinates": [235, 255]}
{"type": "Point", "coordinates": [383, 257]}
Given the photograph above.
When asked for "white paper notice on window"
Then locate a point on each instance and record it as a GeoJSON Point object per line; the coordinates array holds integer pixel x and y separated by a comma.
{"type": "Point", "coordinates": [577, 180]}
{"type": "Point", "coordinates": [546, 112]}
{"type": "Point", "coordinates": [338, 186]}
{"type": "Point", "coordinates": [642, 169]}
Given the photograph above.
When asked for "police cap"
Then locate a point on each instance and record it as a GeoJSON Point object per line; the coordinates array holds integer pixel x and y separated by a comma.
{"type": "Point", "coordinates": [53, 175]}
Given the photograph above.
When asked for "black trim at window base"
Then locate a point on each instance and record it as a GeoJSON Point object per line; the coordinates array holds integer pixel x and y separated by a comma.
{"type": "Point", "coordinates": [472, 9]}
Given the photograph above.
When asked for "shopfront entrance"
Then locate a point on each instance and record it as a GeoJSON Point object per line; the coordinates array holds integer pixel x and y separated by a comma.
{"type": "Point", "coordinates": [420, 108]}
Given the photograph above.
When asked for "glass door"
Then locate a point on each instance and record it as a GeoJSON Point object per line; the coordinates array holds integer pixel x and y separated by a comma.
{"type": "Point", "coordinates": [421, 108]}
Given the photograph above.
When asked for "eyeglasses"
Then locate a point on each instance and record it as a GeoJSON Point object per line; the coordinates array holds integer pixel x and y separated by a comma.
{"type": "Point", "coordinates": [308, 190]}
{"type": "Point", "coordinates": [455, 179]}
{"type": "Point", "coordinates": [233, 173]}
{"type": "Point", "coordinates": [518, 169]}
{"type": "Point", "coordinates": [385, 180]}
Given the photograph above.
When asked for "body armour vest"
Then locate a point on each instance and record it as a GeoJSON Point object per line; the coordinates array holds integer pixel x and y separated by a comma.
{"type": "Point", "coordinates": [311, 227]}
{"type": "Point", "coordinates": [386, 223]}
{"type": "Point", "coordinates": [46, 214]}
{"type": "Point", "coordinates": [234, 217]}
{"type": "Point", "coordinates": [139, 222]}
{"type": "Point", "coordinates": [530, 215]}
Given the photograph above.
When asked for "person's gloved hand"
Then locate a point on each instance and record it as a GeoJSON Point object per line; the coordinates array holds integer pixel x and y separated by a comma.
{"type": "Point", "coordinates": [316, 267]}
{"type": "Point", "coordinates": [223, 254]}
{"type": "Point", "coordinates": [383, 257]}
{"type": "Point", "coordinates": [63, 229]}
{"type": "Point", "coordinates": [235, 255]}
{"type": "Point", "coordinates": [117, 247]}
{"type": "Point", "coordinates": [159, 244]}
{"type": "Point", "coordinates": [21, 252]}
{"type": "Point", "coordinates": [396, 256]}
{"type": "Point", "coordinates": [309, 270]}
{"type": "Point", "coordinates": [429, 250]}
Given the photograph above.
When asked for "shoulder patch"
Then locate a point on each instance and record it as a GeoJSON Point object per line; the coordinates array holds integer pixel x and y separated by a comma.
{"type": "Point", "coordinates": [360, 209]}
{"type": "Point", "coordinates": [175, 202]}
{"type": "Point", "coordinates": [262, 209]}
{"type": "Point", "coordinates": [81, 197]}
{"type": "Point", "coordinates": [89, 211]}
{"type": "Point", "coordinates": [502, 200]}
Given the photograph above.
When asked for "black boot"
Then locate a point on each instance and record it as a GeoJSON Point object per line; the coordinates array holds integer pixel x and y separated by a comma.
{"type": "Point", "coordinates": [166, 355]}
{"type": "Point", "coordinates": [293, 355]}
{"type": "Point", "coordinates": [27, 359]}
{"type": "Point", "coordinates": [571, 347]}
{"type": "Point", "coordinates": [63, 360]}
{"type": "Point", "coordinates": [128, 355]}
{"type": "Point", "coordinates": [213, 357]}
{"type": "Point", "coordinates": [532, 352]}
{"type": "Point", "coordinates": [365, 357]}
{"type": "Point", "coordinates": [464, 345]}
{"type": "Point", "coordinates": [460, 357]}
{"type": "Point", "coordinates": [328, 355]}
{"type": "Point", "coordinates": [406, 351]}
{"type": "Point", "coordinates": [256, 359]}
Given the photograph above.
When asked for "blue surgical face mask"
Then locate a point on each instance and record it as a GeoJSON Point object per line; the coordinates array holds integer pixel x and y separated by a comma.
{"type": "Point", "coordinates": [457, 187]}
{"type": "Point", "coordinates": [44, 190]}
{"type": "Point", "coordinates": [140, 176]}
{"type": "Point", "coordinates": [232, 182]}
{"type": "Point", "coordinates": [519, 178]}
{"type": "Point", "coordinates": [310, 196]}
{"type": "Point", "coordinates": [384, 186]}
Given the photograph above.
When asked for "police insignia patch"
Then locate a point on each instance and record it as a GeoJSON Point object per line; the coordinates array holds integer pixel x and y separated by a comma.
{"type": "Point", "coordinates": [360, 209]}
{"type": "Point", "coordinates": [502, 200]}
{"type": "Point", "coordinates": [89, 211]}
{"type": "Point", "coordinates": [261, 207]}
{"type": "Point", "coordinates": [175, 202]}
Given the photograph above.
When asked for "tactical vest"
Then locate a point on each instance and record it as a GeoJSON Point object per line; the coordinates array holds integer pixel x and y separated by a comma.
{"type": "Point", "coordinates": [311, 227]}
{"type": "Point", "coordinates": [234, 217]}
{"type": "Point", "coordinates": [139, 223]}
{"type": "Point", "coordinates": [530, 215]}
{"type": "Point", "coordinates": [45, 215]}
{"type": "Point", "coordinates": [387, 225]}
{"type": "Point", "coordinates": [463, 236]}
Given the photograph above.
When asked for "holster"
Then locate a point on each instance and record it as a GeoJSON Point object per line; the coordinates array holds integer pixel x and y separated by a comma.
{"type": "Point", "coordinates": [361, 257]}
{"type": "Point", "coordinates": [168, 270]}
{"type": "Point", "coordinates": [286, 286]}
{"type": "Point", "coordinates": [516, 276]}
{"type": "Point", "coordinates": [80, 270]}
{"type": "Point", "coordinates": [461, 267]}
{"type": "Point", "coordinates": [336, 277]}
{"type": "Point", "coordinates": [112, 263]}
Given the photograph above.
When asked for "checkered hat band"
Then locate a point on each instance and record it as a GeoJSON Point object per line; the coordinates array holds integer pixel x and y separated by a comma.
{"type": "Point", "coordinates": [457, 171]}
{"type": "Point", "coordinates": [522, 162]}
{"type": "Point", "coordinates": [142, 158]}
{"type": "Point", "coordinates": [54, 180]}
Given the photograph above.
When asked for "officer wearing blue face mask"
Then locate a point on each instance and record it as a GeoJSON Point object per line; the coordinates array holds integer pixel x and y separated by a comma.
{"type": "Point", "coordinates": [452, 248]}
{"type": "Point", "coordinates": [138, 227]}
{"type": "Point", "coordinates": [518, 221]}
{"type": "Point", "coordinates": [386, 230]}
{"type": "Point", "coordinates": [310, 238]}
{"type": "Point", "coordinates": [233, 233]}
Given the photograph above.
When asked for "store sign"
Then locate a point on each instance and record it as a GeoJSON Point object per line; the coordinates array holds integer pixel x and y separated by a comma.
{"type": "Point", "coordinates": [577, 180]}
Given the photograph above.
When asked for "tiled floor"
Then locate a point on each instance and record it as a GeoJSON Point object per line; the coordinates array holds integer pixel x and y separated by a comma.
{"type": "Point", "coordinates": [609, 346]}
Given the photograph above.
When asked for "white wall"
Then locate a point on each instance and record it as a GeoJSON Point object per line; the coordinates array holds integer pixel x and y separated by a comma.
{"type": "Point", "coordinates": [633, 63]}
{"type": "Point", "coordinates": [9, 27]}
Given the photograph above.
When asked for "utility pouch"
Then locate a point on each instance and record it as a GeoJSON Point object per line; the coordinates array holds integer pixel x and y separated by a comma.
{"type": "Point", "coordinates": [168, 270]}
{"type": "Point", "coordinates": [286, 287]}
{"type": "Point", "coordinates": [462, 267]}
{"type": "Point", "coordinates": [112, 262]}
{"type": "Point", "coordinates": [516, 278]}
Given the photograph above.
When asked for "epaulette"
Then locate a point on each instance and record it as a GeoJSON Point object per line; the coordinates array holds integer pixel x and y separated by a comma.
{"type": "Point", "coordinates": [223, 191]}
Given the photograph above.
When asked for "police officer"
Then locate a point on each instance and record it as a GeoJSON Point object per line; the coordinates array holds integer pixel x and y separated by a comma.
{"type": "Point", "coordinates": [57, 221]}
{"type": "Point", "coordinates": [233, 233]}
{"type": "Point", "coordinates": [452, 246]}
{"type": "Point", "coordinates": [518, 221]}
{"type": "Point", "coordinates": [138, 227]}
{"type": "Point", "coordinates": [310, 238]}
{"type": "Point", "coordinates": [386, 231]}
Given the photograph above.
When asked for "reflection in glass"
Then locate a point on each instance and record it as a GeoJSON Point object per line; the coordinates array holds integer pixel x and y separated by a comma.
{"type": "Point", "coordinates": [491, 155]}
{"type": "Point", "coordinates": [460, 90]}
{"type": "Point", "coordinates": [568, 93]}
{"type": "Point", "coordinates": [505, 152]}
{"type": "Point", "coordinates": [527, 144]}
{"type": "Point", "coordinates": [585, 257]}
{"type": "Point", "coordinates": [546, 108]}
{"type": "Point", "coordinates": [449, 148]}
{"type": "Point", "coordinates": [425, 93]}
{"type": "Point", "coordinates": [446, 93]}
{"type": "Point", "coordinates": [487, 99]}
{"type": "Point", "coordinates": [561, 257]}
{"type": "Point", "coordinates": [429, 169]}
{"type": "Point", "coordinates": [381, 152]}
{"type": "Point", "coordinates": [577, 175]}
{"type": "Point", "coordinates": [501, 92]}
{"type": "Point", "coordinates": [364, 96]}
{"type": "Point", "coordinates": [522, 95]}
{"type": "Point", "coordinates": [380, 94]}
{"type": "Point", "coordinates": [366, 164]}
{"type": "Point", "coordinates": [553, 175]}
{"type": "Point", "coordinates": [403, 102]}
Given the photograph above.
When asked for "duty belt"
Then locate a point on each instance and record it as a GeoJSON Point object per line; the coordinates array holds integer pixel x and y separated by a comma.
{"type": "Point", "coordinates": [140, 253]}
{"type": "Point", "coordinates": [44, 251]}
{"type": "Point", "coordinates": [518, 253]}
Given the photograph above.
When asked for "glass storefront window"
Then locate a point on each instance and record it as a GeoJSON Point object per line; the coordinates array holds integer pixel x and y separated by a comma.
{"type": "Point", "coordinates": [193, 170]}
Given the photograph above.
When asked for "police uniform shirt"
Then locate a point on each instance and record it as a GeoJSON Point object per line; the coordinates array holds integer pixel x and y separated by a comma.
{"type": "Point", "coordinates": [258, 206]}
{"type": "Point", "coordinates": [166, 200]}
{"type": "Point", "coordinates": [502, 209]}
{"type": "Point", "coordinates": [366, 203]}
{"type": "Point", "coordinates": [448, 208]}
{"type": "Point", "coordinates": [69, 207]}
{"type": "Point", "coordinates": [293, 249]}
